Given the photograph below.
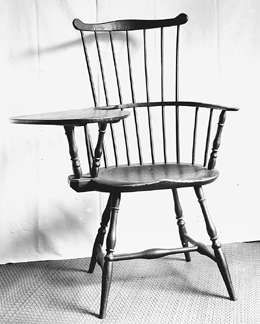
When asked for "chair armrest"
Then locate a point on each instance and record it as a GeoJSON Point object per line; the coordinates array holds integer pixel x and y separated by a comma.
{"type": "Point", "coordinates": [71, 118]}
{"type": "Point", "coordinates": [167, 103]}
{"type": "Point", "coordinates": [79, 117]}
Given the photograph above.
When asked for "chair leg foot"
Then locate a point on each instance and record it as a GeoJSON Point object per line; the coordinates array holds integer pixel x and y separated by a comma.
{"type": "Point", "coordinates": [181, 223]}
{"type": "Point", "coordinates": [219, 255]}
{"type": "Point", "coordinates": [91, 267]}
{"type": "Point", "coordinates": [106, 282]}
{"type": "Point", "coordinates": [100, 236]}
{"type": "Point", "coordinates": [110, 246]}
{"type": "Point", "coordinates": [223, 268]}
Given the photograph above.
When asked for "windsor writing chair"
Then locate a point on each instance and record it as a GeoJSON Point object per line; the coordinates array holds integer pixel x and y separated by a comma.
{"type": "Point", "coordinates": [149, 150]}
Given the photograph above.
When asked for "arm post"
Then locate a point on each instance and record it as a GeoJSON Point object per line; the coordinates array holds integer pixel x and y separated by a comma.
{"type": "Point", "coordinates": [217, 140]}
{"type": "Point", "coordinates": [98, 150]}
{"type": "Point", "coordinates": [73, 149]}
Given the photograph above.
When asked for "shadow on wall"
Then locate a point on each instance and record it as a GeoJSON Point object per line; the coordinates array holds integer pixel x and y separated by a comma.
{"type": "Point", "coordinates": [117, 36]}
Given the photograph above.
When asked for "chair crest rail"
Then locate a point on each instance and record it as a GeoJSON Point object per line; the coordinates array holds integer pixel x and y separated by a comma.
{"type": "Point", "coordinates": [130, 24]}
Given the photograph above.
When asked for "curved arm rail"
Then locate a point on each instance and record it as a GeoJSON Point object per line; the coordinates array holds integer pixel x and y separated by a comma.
{"type": "Point", "coordinates": [168, 103]}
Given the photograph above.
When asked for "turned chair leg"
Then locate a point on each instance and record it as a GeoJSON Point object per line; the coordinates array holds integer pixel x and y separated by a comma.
{"type": "Point", "coordinates": [219, 255]}
{"type": "Point", "coordinates": [100, 236]}
{"type": "Point", "coordinates": [110, 246]}
{"type": "Point", "coordinates": [180, 222]}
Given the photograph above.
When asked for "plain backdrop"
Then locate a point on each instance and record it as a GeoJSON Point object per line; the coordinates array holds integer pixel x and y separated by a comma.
{"type": "Point", "coordinates": [42, 69]}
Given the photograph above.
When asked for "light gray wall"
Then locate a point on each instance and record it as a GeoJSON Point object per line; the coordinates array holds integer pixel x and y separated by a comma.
{"type": "Point", "coordinates": [40, 216]}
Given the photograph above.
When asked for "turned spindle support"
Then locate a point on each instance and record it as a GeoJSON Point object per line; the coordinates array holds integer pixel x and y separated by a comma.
{"type": "Point", "coordinates": [73, 149]}
{"type": "Point", "coordinates": [97, 247]}
{"type": "Point", "coordinates": [180, 222]}
{"type": "Point", "coordinates": [217, 141]}
{"type": "Point", "coordinates": [212, 232]}
{"type": "Point", "coordinates": [98, 150]}
{"type": "Point", "coordinates": [110, 246]}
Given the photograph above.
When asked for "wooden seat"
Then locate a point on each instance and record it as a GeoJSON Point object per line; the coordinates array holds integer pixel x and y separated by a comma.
{"type": "Point", "coordinates": [146, 137]}
{"type": "Point", "coordinates": [145, 177]}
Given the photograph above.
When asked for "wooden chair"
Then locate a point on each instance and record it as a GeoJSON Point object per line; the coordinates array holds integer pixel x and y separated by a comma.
{"type": "Point", "coordinates": [150, 149]}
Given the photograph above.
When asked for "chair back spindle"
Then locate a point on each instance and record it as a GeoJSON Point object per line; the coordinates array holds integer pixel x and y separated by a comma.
{"type": "Point", "coordinates": [195, 135]}
{"type": "Point", "coordinates": [162, 97]}
{"type": "Point", "coordinates": [208, 138]}
{"type": "Point", "coordinates": [119, 95]}
{"type": "Point", "coordinates": [177, 96]}
{"type": "Point", "coordinates": [89, 69]}
{"type": "Point", "coordinates": [133, 99]}
{"type": "Point", "coordinates": [148, 98]}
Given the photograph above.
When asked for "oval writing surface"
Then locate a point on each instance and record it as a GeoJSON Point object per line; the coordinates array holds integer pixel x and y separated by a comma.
{"type": "Point", "coordinates": [78, 117]}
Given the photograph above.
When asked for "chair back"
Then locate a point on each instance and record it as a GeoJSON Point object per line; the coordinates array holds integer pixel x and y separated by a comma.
{"type": "Point", "coordinates": [134, 65]}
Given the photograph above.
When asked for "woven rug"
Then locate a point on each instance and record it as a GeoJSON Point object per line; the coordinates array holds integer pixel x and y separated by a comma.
{"type": "Point", "coordinates": [166, 290]}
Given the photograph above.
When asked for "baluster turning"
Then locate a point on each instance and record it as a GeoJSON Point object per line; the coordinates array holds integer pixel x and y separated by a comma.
{"type": "Point", "coordinates": [217, 140]}
{"type": "Point", "coordinates": [73, 149]}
